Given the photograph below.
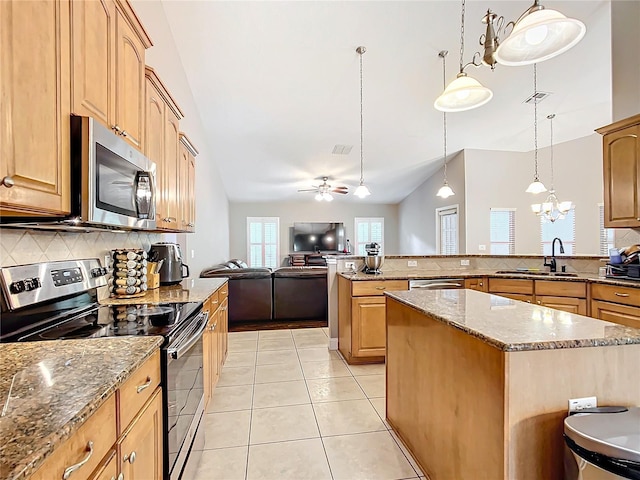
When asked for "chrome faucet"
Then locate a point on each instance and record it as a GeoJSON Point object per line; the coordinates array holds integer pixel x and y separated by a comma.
{"type": "Point", "coordinates": [552, 264]}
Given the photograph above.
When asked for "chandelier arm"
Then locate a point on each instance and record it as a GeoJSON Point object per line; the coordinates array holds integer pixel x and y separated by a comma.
{"type": "Point", "coordinates": [475, 61]}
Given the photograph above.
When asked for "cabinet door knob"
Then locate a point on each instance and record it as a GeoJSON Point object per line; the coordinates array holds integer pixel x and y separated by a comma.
{"type": "Point", "coordinates": [116, 129]}
{"type": "Point", "coordinates": [539, 302]}
{"type": "Point", "coordinates": [8, 182]}
{"type": "Point", "coordinates": [69, 470]}
{"type": "Point", "coordinates": [481, 284]}
{"type": "Point", "coordinates": [130, 458]}
{"type": "Point", "coordinates": [124, 133]}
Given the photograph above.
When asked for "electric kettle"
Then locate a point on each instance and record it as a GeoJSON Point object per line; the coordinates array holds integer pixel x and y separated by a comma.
{"type": "Point", "coordinates": [173, 270]}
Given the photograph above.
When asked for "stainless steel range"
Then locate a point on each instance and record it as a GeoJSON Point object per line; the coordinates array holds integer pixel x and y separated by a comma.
{"type": "Point", "coordinates": [57, 301]}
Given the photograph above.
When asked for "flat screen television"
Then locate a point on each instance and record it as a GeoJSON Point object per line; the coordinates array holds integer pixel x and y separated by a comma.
{"type": "Point", "coordinates": [318, 237]}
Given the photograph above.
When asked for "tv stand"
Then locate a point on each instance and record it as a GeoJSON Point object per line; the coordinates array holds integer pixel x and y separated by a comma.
{"type": "Point", "coordinates": [307, 260]}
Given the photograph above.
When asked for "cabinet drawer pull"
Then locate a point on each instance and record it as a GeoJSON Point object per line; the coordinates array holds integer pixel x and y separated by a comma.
{"type": "Point", "coordinates": [144, 386]}
{"type": "Point", "coordinates": [130, 458]}
{"type": "Point", "coordinates": [381, 288]}
{"type": "Point", "coordinates": [621, 294]}
{"type": "Point", "coordinates": [69, 470]}
{"type": "Point", "coordinates": [8, 182]}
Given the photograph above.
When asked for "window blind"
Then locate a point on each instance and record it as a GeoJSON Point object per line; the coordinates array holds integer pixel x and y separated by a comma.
{"type": "Point", "coordinates": [448, 230]}
{"type": "Point", "coordinates": [502, 225]}
{"type": "Point", "coordinates": [564, 229]}
{"type": "Point", "coordinates": [263, 241]}
{"type": "Point", "coordinates": [368, 230]}
{"type": "Point", "coordinates": [606, 234]}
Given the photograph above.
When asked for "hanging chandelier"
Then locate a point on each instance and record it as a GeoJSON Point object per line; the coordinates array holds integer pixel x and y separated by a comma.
{"type": "Point", "coordinates": [465, 92]}
{"type": "Point", "coordinates": [536, 186]}
{"type": "Point", "coordinates": [362, 191]}
{"type": "Point", "coordinates": [552, 209]}
{"type": "Point", "coordinates": [445, 190]}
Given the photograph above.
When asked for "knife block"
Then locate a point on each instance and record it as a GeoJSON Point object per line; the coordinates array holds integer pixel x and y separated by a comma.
{"type": "Point", "coordinates": [153, 280]}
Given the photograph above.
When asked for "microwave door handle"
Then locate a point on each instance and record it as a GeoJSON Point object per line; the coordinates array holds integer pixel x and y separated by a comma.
{"type": "Point", "coordinates": [143, 195]}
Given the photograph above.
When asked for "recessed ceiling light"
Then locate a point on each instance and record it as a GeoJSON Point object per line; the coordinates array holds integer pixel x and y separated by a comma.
{"type": "Point", "coordinates": [342, 149]}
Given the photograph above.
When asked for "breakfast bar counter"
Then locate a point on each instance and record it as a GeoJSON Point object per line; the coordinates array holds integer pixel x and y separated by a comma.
{"type": "Point", "coordinates": [481, 383]}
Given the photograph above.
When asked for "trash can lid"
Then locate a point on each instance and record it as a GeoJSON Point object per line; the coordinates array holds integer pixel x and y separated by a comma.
{"type": "Point", "coordinates": [616, 435]}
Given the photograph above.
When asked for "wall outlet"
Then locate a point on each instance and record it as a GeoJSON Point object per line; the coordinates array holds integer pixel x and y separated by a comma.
{"type": "Point", "coordinates": [577, 404]}
{"type": "Point", "coordinates": [464, 263]}
{"type": "Point", "coordinates": [412, 263]}
{"type": "Point", "coordinates": [350, 265]}
{"type": "Point", "coordinates": [482, 248]}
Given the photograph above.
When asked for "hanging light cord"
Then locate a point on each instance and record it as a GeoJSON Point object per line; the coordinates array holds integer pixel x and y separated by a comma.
{"type": "Point", "coordinates": [461, 38]}
{"type": "Point", "coordinates": [550, 117]}
{"type": "Point", "coordinates": [444, 115]}
{"type": "Point", "coordinates": [361, 51]}
{"type": "Point", "coordinates": [535, 121]}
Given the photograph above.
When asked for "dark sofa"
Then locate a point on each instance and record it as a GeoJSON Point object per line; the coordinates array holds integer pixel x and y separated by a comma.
{"type": "Point", "coordinates": [260, 294]}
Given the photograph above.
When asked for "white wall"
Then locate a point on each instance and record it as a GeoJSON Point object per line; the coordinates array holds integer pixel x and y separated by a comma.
{"type": "Point", "coordinates": [210, 243]}
{"type": "Point", "coordinates": [416, 213]}
{"type": "Point", "coordinates": [499, 179]}
{"type": "Point", "coordinates": [625, 44]}
{"type": "Point", "coordinates": [308, 211]}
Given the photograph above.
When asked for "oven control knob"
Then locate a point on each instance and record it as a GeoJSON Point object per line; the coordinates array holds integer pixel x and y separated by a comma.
{"type": "Point", "coordinates": [17, 287]}
{"type": "Point", "coordinates": [98, 272]}
{"type": "Point", "coordinates": [32, 284]}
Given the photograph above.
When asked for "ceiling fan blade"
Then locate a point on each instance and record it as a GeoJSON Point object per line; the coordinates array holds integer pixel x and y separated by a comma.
{"type": "Point", "coordinates": [341, 188]}
{"type": "Point", "coordinates": [344, 192]}
{"type": "Point", "coordinates": [309, 190]}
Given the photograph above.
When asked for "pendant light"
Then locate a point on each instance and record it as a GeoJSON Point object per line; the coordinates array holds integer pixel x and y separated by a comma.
{"type": "Point", "coordinates": [552, 209]}
{"type": "Point", "coordinates": [465, 92]}
{"type": "Point", "coordinates": [445, 190]}
{"type": "Point", "coordinates": [536, 186]}
{"type": "Point", "coordinates": [362, 190]}
{"type": "Point", "coordinates": [538, 35]}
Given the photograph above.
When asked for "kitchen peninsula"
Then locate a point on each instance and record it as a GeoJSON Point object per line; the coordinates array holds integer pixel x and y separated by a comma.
{"type": "Point", "coordinates": [480, 383]}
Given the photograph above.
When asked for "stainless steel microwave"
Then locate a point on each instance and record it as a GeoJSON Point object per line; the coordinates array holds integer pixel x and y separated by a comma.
{"type": "Point", "coordinates": [112, 183]}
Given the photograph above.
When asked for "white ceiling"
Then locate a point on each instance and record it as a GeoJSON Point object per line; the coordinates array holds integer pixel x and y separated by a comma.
{"type": "Point", "coordinates": [277, 86]}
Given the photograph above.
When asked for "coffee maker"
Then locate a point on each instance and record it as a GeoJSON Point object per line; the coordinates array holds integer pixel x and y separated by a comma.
{"type": "Point", "coordinates": [373, 261]}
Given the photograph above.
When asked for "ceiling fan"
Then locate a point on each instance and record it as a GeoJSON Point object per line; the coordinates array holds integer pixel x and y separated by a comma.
{"type": "Point", "coordinates": [324, 190]}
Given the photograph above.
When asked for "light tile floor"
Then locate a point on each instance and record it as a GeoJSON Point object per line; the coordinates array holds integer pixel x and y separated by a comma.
{"type": "Point", "coordinates": [288, 408]}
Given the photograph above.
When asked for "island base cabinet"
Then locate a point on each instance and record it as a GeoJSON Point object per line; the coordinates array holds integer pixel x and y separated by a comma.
{"type": "Point", "coordinates": [462, 406]}
{"type": "Point", "coordinates": [108, 470]}
{"type": "Point", "coordinates": [141, 445]}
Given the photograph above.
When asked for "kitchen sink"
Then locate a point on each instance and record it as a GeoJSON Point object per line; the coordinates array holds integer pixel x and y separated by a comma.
{"type": "Point", "coordinates": [544, 274]}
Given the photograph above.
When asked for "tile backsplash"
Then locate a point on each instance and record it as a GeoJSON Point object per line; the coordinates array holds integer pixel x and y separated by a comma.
{"type": "Point", "coordinates": [625, 237]}
{"type": "Point", "coordinates": [18, 246]}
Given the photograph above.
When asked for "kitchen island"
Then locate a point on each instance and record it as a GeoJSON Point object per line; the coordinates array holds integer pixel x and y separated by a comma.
{"type": "Point", "coordinates": [478, 384]}
{"type": "Point", "coordinates": [49, 390]}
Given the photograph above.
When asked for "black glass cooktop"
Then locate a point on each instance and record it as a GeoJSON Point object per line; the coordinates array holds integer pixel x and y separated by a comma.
{"type": "Point", "coordinates": [109, 321]}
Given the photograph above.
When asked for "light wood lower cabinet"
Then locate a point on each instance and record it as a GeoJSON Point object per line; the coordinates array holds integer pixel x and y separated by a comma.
{"type": "Point", "coordinates": [362, 318]}
{"type": "Point", "coordinates": [562, 295]}
{"type": "Point", "coordinates": [616, 304]}
{"type": "Point", "coordinates": [141, 443]}
{"type": "Point", "coordinates": [516, 289]}
{"type": "Point", "coordinates": [122, 439]}
{"type": "Point", "coordinates": [34, 107]}
{"type": "Point", "coordinates": [215, 339]}
{"type": "Point", "coordinates": [480, 284]}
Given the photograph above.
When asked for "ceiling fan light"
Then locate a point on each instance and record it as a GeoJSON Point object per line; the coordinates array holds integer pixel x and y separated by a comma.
{"type": "Point", "coordinates": [464, 93]}
{"type": "Point", "coordinates": [536, 187]}
{"type": "Point", "coordinates": [327, 197]}
{"type": "Point", "coordinates": [445, 191]}
{"type": "Point", "coordinates": [538, 36]}
{"type": "Point", "coordinates": [318, 197]}
{"type": "Point", "coordinates": [362, 191]}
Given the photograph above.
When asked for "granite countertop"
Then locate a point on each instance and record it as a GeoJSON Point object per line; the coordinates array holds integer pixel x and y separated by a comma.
{"type": "Point", "coordinates": [511, 325]}
{"type": "Point", "coordinates": [435, 274]}
{"type": "Point", "coordinates": [57, 385]}
{"type": "Point", "coordinates": [189, 290]}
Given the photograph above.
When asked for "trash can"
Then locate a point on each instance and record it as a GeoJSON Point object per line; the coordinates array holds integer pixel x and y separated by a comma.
{"type": "Point", "coordinates": [603, 444]}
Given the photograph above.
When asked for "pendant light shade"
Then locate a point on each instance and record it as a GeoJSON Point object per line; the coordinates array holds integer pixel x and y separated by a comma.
{"type": "Point", "coordinates": [445, 191]}
{"type": "Point", "coordinates": [536, 186]}
{"type": "Point", "coordinates": [538, 35]}
{"type": "Point", "coordinates": [464, 93]}
{"type": "Point", "coordinates": [362, 191]}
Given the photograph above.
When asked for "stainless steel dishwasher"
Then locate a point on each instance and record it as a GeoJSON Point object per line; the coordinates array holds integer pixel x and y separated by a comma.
{"type": "Point", "coordinates": [436, 283]}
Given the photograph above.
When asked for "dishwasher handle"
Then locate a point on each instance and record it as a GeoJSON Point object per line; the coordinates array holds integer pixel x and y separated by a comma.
{"type": "Point", "coordinates": [436, 285]}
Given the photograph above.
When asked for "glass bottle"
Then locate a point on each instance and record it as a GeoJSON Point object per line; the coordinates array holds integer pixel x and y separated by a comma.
{"type": "Point", "coordinates": [348, 247]}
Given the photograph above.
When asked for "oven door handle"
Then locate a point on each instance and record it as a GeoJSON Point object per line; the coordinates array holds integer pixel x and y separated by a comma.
{"type": "Point", "coordinates": [182, 346]}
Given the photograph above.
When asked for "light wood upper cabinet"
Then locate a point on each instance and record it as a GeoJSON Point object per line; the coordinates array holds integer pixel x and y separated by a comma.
{"type": "Point", "coordinates": [108, 45]}
{"type": "Point", "coordinates": [187, 191]}
{"type": "Point", "coordinates": [162, 147]}
{"type": "Point", "coordinates": [621, 172]}
{"type": "Point", "coordinates": [34, 108]}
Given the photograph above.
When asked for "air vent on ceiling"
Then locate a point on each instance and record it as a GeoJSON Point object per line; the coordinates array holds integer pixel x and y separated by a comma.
{"type": "Point", "coordinates": [342, 149]}
{"type": "Point", "coordinates": [537, 97]}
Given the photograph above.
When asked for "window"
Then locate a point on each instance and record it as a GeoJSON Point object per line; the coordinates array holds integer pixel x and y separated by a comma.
{"type": "Point", "coordinates": [447, 228]}
{"type": "Point", "coordinates": [564, 229]}
{"type": "Point", "coordinates": [606, 234]}
{"type": "Point", "coordinates": [502, 224]}
{"type": "Point", "coordinates": [263, 241]}
{"type": "Point", "coordinates": [368, 230]}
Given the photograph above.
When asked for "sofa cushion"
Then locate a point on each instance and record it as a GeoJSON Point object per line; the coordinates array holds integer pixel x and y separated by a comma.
{"type": "Point", "coordinates": [293, 272]}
